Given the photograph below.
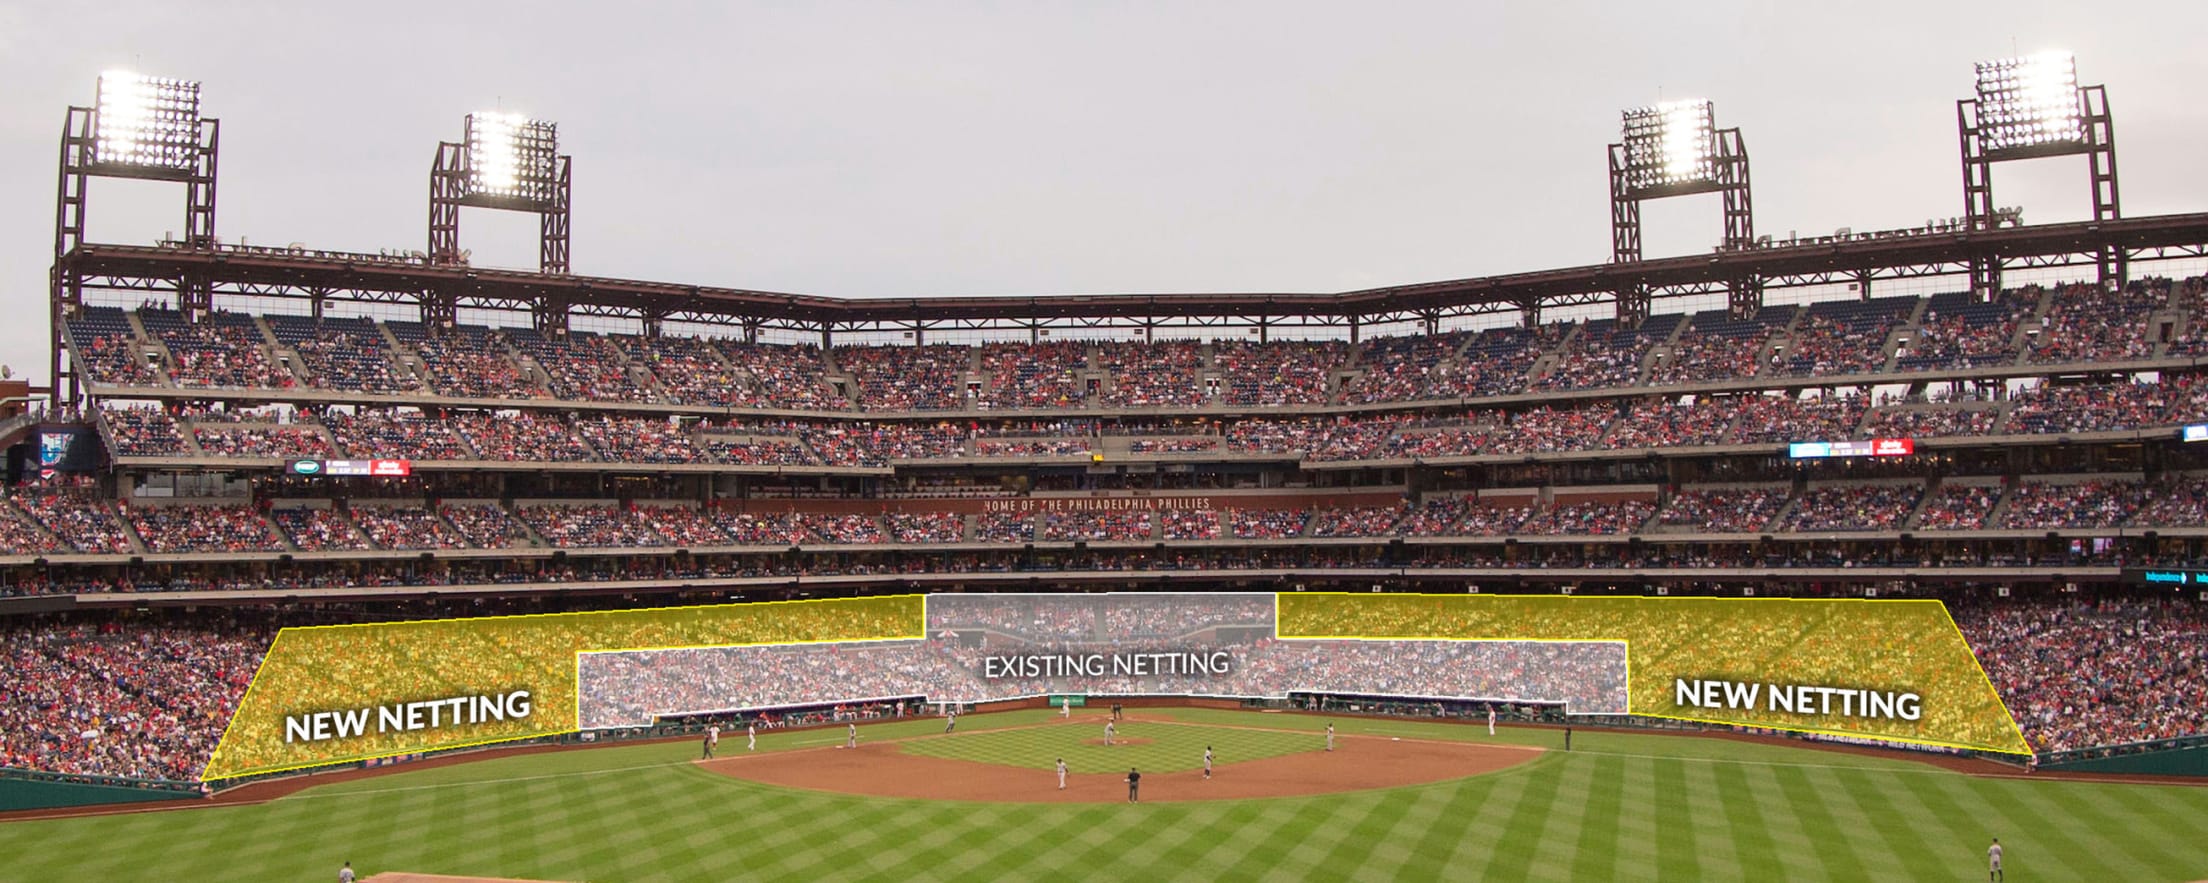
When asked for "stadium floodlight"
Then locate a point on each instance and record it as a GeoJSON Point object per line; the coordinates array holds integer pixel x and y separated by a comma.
{"type": "Point", "coordinates": [1675, 148]}
{"type": "Point", "coordinates": [2030, 101]}
{"type": "Point", "coordinates": [1670, 144]}
{"type": "Point", "coordinates": [2028, 107]}
{"type": "Point", "coordinates": [511, 156]}
{"type": "Point", "coordinates": [146, 121]}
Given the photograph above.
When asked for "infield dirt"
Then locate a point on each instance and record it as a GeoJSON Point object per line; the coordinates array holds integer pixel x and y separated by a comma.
{"type": "Point", "coordinates": [1358, 763]}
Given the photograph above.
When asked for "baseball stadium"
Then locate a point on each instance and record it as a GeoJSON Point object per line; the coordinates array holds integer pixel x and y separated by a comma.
{"type": "Point", "coordinates": [1877, 554]}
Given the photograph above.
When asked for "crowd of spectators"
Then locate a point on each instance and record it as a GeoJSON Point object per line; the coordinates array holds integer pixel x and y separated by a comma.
{"type": "Point", "coordinates": [1352, 521]}
{"type": "Point", "coordinates": [784, 376]}
{"type": "Point", "coordinates": [2088, 504]}
{"type": "Point", "coordinates": [1276, 372]}
{"type": "Point", "coordinates": [1110, 527]}
{"type": "Point", "coordinates": [1960, 507]}
{"type": "Point", "coordinates": [2087, 324]}
{"type": "Point", "coordinates": [1769, 419]}
{"type": "Point", "coordinates": [1403, 368]}
{"type": "Point", "coordinates": [469, 362]}
{"type": "Point", "coordinates": [522, 437]}
{"type": "Point", "coordinates": [1854, 507]}
{"type": "Point", "coordinates": [406, 528]}
{"type": "Point", "coordinates": [1728, 510]}
{"type": "Point", "coordinates": [639, 440]}
{"type": "Point", "coordinates": [1039, 375]}
{"type": "Point", "coordinates": [484, 525]}
{"type": "Point", "coordinates": [907, 378]}
{"type": "Point", "coordinates": [1266, 524]}
{"type": "Point", "coordinates": [591, 526]}
{"type": "Point", "coordinates": [1959, 333]}
{"type": "Point", "coordinates": [759, 451]}
{"type": "Point", "coordinates": [2079, 674]}
{"type": "Point", "coordinates": [1602, 355]}
{"type": "Point", "coordinates": [689, 370]}
{"type": "Point", "coordinates": [19, 535]}
{"type": "Point", "coordinates": [1190, 445]}
{"type": "Point", "coordinates": [1929, 421]}
{"type": "Point", "coordinates": [397, 435]}
{"type": "Point", "coordinates": [1189, 524]}
{"type": "Point", "coordinates": [1664, 423]}
{"type": "Point", "coordinates": [1031, 447]}
{"type": "Point", "coordinates": [584, 367]}
{"type": "Point", "coordinates": [926, 528]}
{"type": "Point", "coordinates": [279, 442]}
{"type": "Point", "coordinates": [141, 701]}
{"type": "Point", "coordinates": [113, 359]}
{"type": "Point", "coordinates": [1163, 374]}
{"type": "Point", "coordinates": [318, 530]}
{"type": "Point", "coordinates": [143, 432]}
{"type": "Point", "coordinates": [202, 528]}
{"type": "Point", "coordinates": [228, 352]}
{"type": "Point", "coordinates": [353, 357]}
{"type": "Point", "coordinates": [2101, 407]}
{"type": "Point", "coordinates": [76, 514]}
{"type": "Point", "coordinates": [1004, 527]}
{"type": "Point", "coordinates": [876, 444]}
{"type": "Point", "coordinates": [843, 529]}
{"type": "Point", "coordinates": [1590, 517]}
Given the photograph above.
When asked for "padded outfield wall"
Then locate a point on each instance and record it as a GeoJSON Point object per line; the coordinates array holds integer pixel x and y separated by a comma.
{"type": "Point", "coordinates": [1890, 670]}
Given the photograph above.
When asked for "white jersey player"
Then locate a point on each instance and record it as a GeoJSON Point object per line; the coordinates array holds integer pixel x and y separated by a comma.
{"type": "Point", "coordinates": [852, 740]}
{"type": "Point", "coordinates": [1061, 774]}
{"type": "Point", "coordinates": [1329, 737]}
{"type": "Point", "coordinates": [751, 736]}
{"type": "Point", "coordinates": [1993, 861]}
{"type": "Point", "coordinates": [1491, 720]}
{"type": "Point", "coordinates": [1207, 761]}
{"type": "Point", "coordinates": [1109, 732]}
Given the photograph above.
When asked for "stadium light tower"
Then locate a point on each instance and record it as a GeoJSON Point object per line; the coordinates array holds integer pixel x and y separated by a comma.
{"type": "Point", "coordinates": [2030, 107]}
{"type": "Point", "coordinates": [1675, 149]}
{"type": "Point", "coordinates": [505, 161]}
{"type": "Point", "coordinates": [141, 127]}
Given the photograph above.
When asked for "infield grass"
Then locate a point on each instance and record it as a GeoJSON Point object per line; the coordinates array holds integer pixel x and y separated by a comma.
{"type": "Point", "coordinates": [1620, 806]}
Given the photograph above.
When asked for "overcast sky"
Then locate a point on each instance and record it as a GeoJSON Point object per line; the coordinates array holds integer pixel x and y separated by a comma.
{"type": "Point", "coordinates": [1032, 148]}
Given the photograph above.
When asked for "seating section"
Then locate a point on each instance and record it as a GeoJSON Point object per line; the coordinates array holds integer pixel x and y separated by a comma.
{"type": "Point", "coordinates": [522, 438]}
{"type": "Point", "coordinates": [2086, 324]}
{"type": "Point", "coordinates": [907, 378]}
{"type": "Point", "coordinates": [279, 442]}
{"type": "Point", "coordinates": [1716, 346]}
{"type": "Point", "coordinates": [1277, 373]}
{"type": "Point", "coordinates": [319, 530]}
{"type": "Point", "coordinates": [202, 528]}
{"type": "Point", "coordinates": [1119, 527]}
{"type": "Point", "coordinates": [1154, 375]}
{"type": "Point", "coordinates": [584, 367]}
{"type": "Point", "coordinates": [2083, 505]}
{"type": "Point", "coordinates": [1960, 507]}
{"type": "Point", "coordinates": [1959, 331]}
{"type": "Point", "coordinates": [1715, 510]}
{"type": "Point", "coordinates": [1853, 507]}
{"type": "Point", "coordinates": [639, 440]}
{"type": "Point", "coordinates": [1590, 517]}
{"type": "Point", "coordinates": [689, 370]}
{"type": "Point", "coordinates": [76, 516]}
{"type": "Point", "coordinates": [1044, 375]}
{"type": "Point", "coordinates": [1603, 355]}
{"type": "Point", "coordinates": [925, 528]}
{"type": "Point", "coordinates": [2085, 673]}
{"type": "Point", "coordinates": [227, 351]}
{"type": "Point", "coordinates": [106, 348]}
{"type": "Point", "coordinates": [350, 355]}
{"type": "Point", "coordinates": [1845, 337]}
{"type": "Point", "coordinates": [380, 435]}
{"type": "Point", "coordinates": [143, 432]}
{"type": "Point", "coordinates": [144, 702]}
{"type": "Point", "coordinates": [467, 361]}
{"type": "Point", "coordinates": [406, 528]}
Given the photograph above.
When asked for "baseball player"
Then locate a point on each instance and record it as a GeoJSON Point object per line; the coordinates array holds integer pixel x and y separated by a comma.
{"type": "Point", "coordinates": [1134, 784]}
{"type": "Point", "coordinates": [950, 721]}
{"type": "Point", "coordinates": [1109, 732]}
{"type": "Point", "coordinates": [1061, 774]}
{"type": "Point", "coordinates": [345, 874]}
{"type": "Point", "coordinates": [1329, 737]}
{"type": "Point", "coordinates": [712, 739]}
{"type": "Point", "coordinates": [1993, 860]}
{"type": "Point", "coordinates": [1065, 708]}
{"type": "Point", "coordinates": [1207, 761]}
{"type": "Point", "coordinates": [751, 736]}
{"type": "Point", "coordinates": [851, 740]}
{"type": "Point", "coordinates": [1491, 720]}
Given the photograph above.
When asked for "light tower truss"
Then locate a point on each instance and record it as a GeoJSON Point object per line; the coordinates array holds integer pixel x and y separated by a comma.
{"type": "Point", "coordinates": [1675, 149]}
{"type": "Point", "coordinates": [2026, 108]}
{"type": "Point", "coordinates": [507, 162]}
{"type": "Point", "coordinates": [145, 128]}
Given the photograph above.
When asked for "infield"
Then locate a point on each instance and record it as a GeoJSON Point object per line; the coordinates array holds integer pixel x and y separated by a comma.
{"type": "Point", "coordinates": [1016, 764]}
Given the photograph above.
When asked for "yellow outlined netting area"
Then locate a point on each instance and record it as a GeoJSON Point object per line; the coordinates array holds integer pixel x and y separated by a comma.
{"type": "Point", "coordinates": [1899, 645]}
{"type": "Point", "coordinates": [335, 668]}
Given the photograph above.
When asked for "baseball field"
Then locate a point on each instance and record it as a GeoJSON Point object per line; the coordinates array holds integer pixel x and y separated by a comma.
{"type": "Point", "coordinates": [1617, 806]}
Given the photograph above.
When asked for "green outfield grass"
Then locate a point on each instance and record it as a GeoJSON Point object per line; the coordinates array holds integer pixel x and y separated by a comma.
{"type": "Point", "coordinates": [1620, 806]}
{"type": "Point", "coordinates": [1168, 746]}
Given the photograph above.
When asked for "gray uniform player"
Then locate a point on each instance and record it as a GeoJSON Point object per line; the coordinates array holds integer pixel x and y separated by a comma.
{"type": "Point", "coordinates": [1993, 861]}
{"type": "Point", "coordinates": [1329, 737]}
{"type": "Point", "coordinates": [1061, 774]}
{"type": "Point", "coordinates": [1109, 732]}
{"type": "Point", "coordinates": [852, 740]}
{"type": "Point", "coordinates": [1207, 761]}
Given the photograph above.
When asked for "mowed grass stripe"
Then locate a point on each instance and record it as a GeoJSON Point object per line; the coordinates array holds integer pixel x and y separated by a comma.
{"type": "Point", "coordinates": [1909, 836]}
{"type": "Point", "coordinates": [1745, 817]}
{"type": "Point", "coordinates": [1524, 824]}
{"type": "Point", "coordinates": [1815, 825]}
{"type": "Point", "coordinates": [1595, 856]}
{"type": "Point", "coordinates": [1678, 850]}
